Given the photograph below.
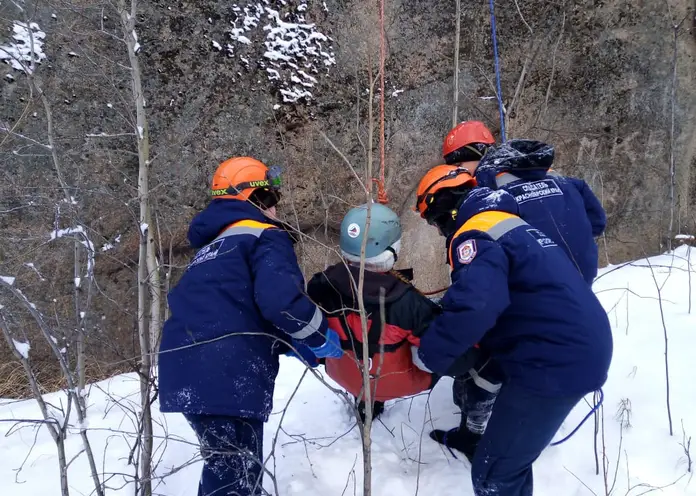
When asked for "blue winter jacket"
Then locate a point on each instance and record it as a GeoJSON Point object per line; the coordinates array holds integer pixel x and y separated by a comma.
{"type": "Point", "coordinates": [564, 208]}
{"type": "Point", "coordinates": [516, 294]}
{"type": "Point", "coordinates": [241, 293]}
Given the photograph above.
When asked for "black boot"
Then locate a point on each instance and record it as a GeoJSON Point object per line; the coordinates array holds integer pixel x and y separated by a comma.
{"type": "Point", "coordinates": [377, 409]}
{"type": "Point", "coordinates": [459, 438]}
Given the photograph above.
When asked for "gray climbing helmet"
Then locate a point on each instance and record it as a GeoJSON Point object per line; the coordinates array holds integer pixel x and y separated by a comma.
{"type": "Point", "coordinates": [385, 230]}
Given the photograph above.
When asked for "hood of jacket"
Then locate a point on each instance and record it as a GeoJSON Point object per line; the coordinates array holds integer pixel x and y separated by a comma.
{"type": "Point", "coordinates": [484, 200]}
{"type": "Point", "coordinates": [341, 277]}
{"type": "Point", "coordinates": [210, 222]}
{"type": "Point", "coordinates": [527, 159]}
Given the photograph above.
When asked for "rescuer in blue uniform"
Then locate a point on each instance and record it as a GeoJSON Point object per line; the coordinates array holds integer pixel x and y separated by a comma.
{"type": "Point", "coordinates": [564, 208]}
{"type": "Point", "coordinates": [240, 300]}
{"type": "Point", "coordinates": [517, 296]}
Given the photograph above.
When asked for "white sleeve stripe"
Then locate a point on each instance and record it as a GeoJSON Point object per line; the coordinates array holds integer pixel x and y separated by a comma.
{"type": "Point", "coordinates": [483, 383]}
{"type": "Point", "coordinates": [311, 327]}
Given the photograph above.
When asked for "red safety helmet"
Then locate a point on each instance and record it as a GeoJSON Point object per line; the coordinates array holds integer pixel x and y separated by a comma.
{"type": "Point", "coordinates": [464, 137]}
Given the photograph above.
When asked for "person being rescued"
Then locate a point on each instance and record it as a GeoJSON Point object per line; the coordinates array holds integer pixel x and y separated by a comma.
{"type": "Point", "coordinates": [407, 312]}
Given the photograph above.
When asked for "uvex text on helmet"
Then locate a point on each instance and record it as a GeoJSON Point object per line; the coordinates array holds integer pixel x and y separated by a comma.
{"type": "Point", "coordinates": [240, 178]}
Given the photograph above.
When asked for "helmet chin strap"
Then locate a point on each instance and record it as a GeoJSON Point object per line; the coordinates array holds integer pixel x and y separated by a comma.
{"type": "Point", "coordinates": [447, 224]}
{"type": "Point", "coordinates": [475, 150]}
{"type": "Point", "coordinates": [393, 252]}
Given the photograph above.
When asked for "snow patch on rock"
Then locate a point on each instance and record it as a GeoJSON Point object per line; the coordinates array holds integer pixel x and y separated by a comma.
{"type": "Point", "coordinates": [295, 52]}
{"type": "Point", "coordinates": [26, 47]}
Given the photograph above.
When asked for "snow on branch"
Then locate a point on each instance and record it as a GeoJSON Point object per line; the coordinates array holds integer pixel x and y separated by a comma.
{"type": "Point", "coordinates": [36, 271]}
{"type": "Point", "coordinates": [27, 44]}
{"type": "Point", "coordinates": [295, 52]}
{"type": "Point", "coordinates": [80, 234]}
{"type": "Point", "coordinates": [22, 348]}
{"type": "Point", "coordinates": [136, 46]}
{"type": "Point", "coordinates": [59, 233]}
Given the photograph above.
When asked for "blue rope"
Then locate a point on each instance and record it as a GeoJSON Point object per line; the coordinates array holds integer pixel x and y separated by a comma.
{"type": "Point", "coordinates": [497, 73]}
{"type": "Point", "coordinates": [594, 409]}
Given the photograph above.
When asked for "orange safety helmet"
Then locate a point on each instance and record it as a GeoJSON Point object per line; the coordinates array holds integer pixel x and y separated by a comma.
{"type": "Point", "coordinates": [438, 178]}
{"type": "Point", "coordinates": [237, 178]}
{"type": "Point", "coordinates": [466, 134]}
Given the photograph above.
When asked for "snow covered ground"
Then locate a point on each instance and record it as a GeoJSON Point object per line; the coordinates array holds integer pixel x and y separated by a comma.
{"type": "Point", "coordinates": [317, 453]}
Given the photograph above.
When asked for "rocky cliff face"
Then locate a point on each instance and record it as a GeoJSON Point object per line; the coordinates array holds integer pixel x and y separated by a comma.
{"type": "Point", "coordinates": [609, 82]}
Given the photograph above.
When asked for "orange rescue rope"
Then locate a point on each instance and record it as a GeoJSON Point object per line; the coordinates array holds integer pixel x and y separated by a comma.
{"type": "Point", "coordinates": [430, 293]}
{"type": "Point", "coordinates": [381, 191]}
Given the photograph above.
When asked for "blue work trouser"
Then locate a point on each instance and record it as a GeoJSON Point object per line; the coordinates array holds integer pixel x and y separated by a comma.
{"type": "Point", "coordinates": [521, 425]}
{"type": "Point", "coordinates": [475, 394]}
{"type": "Point", "coordinates": [232, 451]}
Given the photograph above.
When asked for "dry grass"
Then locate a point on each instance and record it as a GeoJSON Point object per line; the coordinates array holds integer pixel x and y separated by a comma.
{"type": "Point", "coordinates": [12, 380]}
{"type": "Point", "coordinates": [14, 384]}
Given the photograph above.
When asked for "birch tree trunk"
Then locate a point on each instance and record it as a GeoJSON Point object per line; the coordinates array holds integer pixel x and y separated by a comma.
{"type": "Point", "coordinates": [149, 289]}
